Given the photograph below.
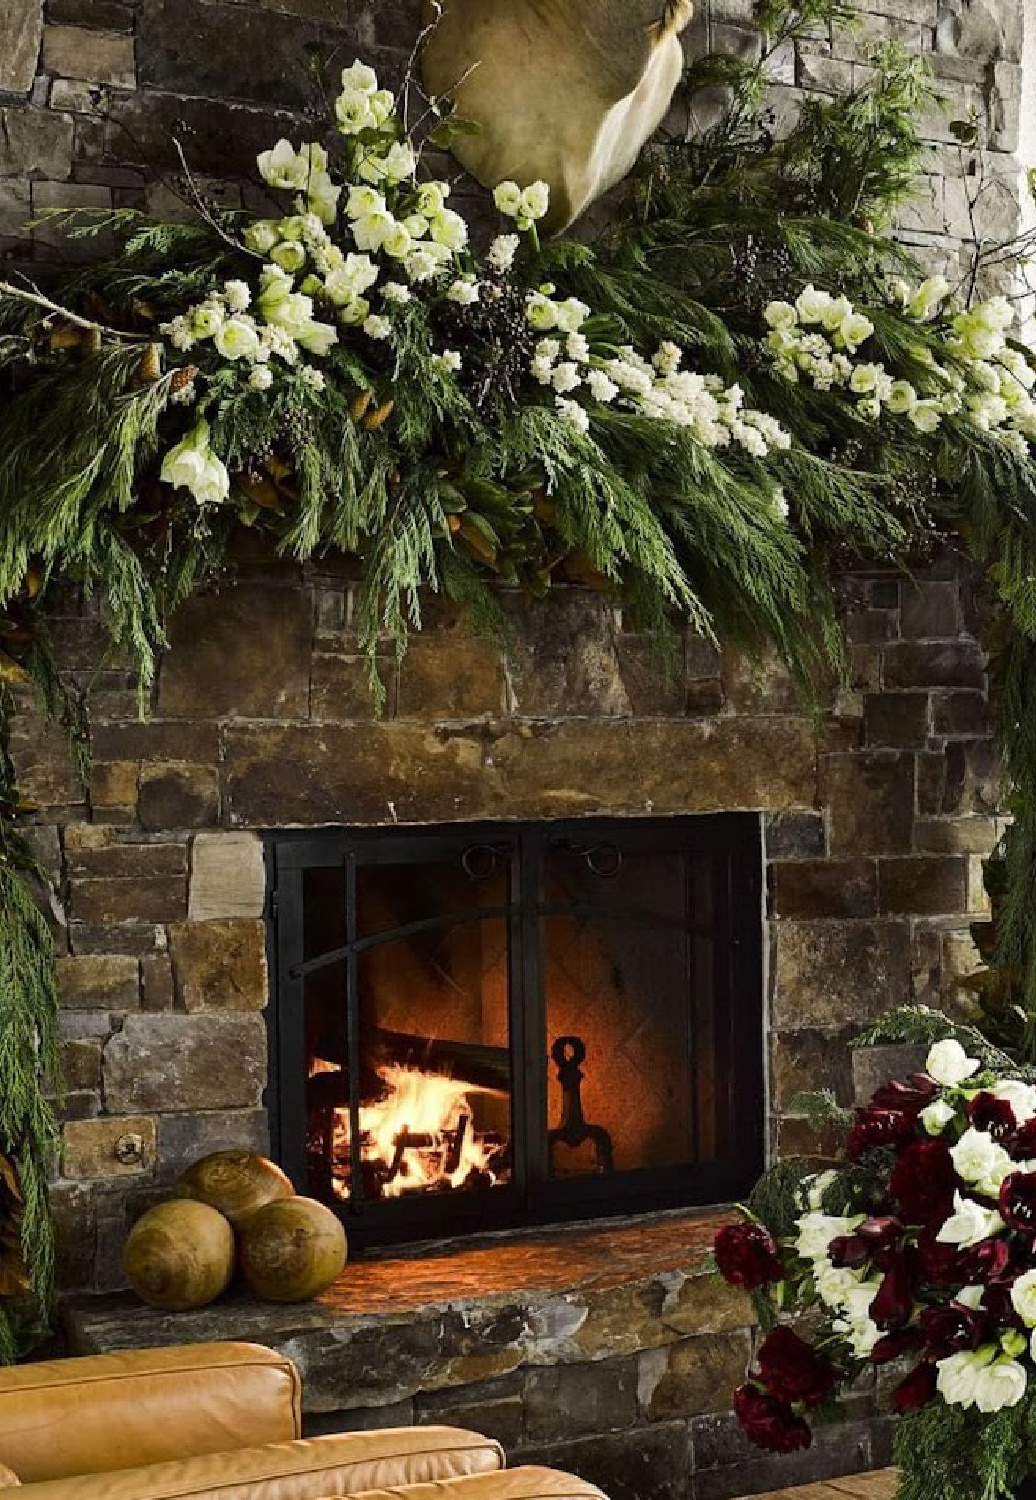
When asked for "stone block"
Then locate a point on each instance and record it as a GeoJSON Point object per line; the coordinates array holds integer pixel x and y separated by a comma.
{"type": "Point", "coordinates": [121, 1146]}
{"type": "Point", "coordinates": [707, 1304]}
{"type": "Point", "coordinates": [960, 715]}
{"type": "Point", "coordinates": [495, 1409]}
{"type": "Point", "coordinates": [823, 888]}
{"type": "Point", "coordinates": [871, 800]}
{"type": "Point", "coordinates": [447, 674]}
{"type": "Point", "coordinates": [795, 835]}
{"type": "Point", "coordinates": [99, 982]}
{"type": "Point", "coordinates": [178, 796]}
{"type": "Point", "coordinates": [219, 965]}
{"type": "Point", "coordinates": [565, 659]}
{"type": "Point", "coordinates": [645, 1463]}
{"type": "Point", "coordinates": [968, 835]}
{"type": "Point", "coordinates": [923, 884]}
{"type": "Point", "coordinates": [972, 778]}
{"type": "Point", "coordinates": [654, 688]}
{"type": "Point", "coordinates": [81, 1065]}
{"type": "Point", "coordinates": [957, 664]}
{"type": "Point", "coordinates": [896, 720]}
{"type": "Point", "coordinates": [140, 127]}
{"type": "Point", "coordinates": [130, 939]}
{"type": "Point", "coordinates": [228, 877]}
{"type": "Point", "coordinates": [99, 56]}
{"type": "Point", "coordinates": [186, 1138]}
{"type": "Point", "coordinates": [75, 1229]}
{"type": "Point", "coordinates": [128, 861]}
{"type": "Point", "coordinates": [195, 742]}
{"type": "Point", "coordinates": [340, 687]}
{"type": "Point", "coordinates": [21, 29]}
{"type": "Point", "coordinates": [35, 143]}
{"type": "Point", "coordinates": [154, 899]}
{"type": "Point", "coordinates": [242, 653]}
{"type": "Point", "coordinates": [104, 15]}
{"type": "Point", "coordinates": [156, 982]}
{"type": "Point", "coordinates": [727, 1465]}
{"type": "Point", "coordinates": [873, 1067]}
{"type": "Point", "coordinates": [802, 1061]}
{"type": "Point", "coordinates": [174, 1062]}
{"type": "Point", "coordinates": [567, 1401]}
{"type": "Point", "coordinates": [697, 1376]}
{"type": "Point", "coordinates": [930, 610]}
{"type": "Point", "coordinates": [872, 626]}
{"type": "Point", "coordinates": [114, 784]}
{"type": "Point", "coordinates": [43, 761]}
{"type": "Point", "coordinates": [839, 973]}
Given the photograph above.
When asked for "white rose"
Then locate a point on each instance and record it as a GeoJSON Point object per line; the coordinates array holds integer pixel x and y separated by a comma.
{"type": "Point", "coordinates": [261, 236]}
{"type": "Point", "coordinates": [937, 1116]}
{"type": "Point", "coordinates": [449, 229]}
{"type": "Point", "coordinates": [999, 1385]}
{"type": "Point", "coordinates": [193, 466]}
{"type": "Point", "coordinates": [508, 198]}
{"type": "Point", "coordinates": [289, 255]}
{"type": "Point", "coordinates": [780, 316]}
{"type": "Point", "coordinates": [396, 242]}
{"type": "Point", "coordinates": [969, 1223]}
{"type": "Point", "coordinates": [237, 339]}
{"type": "Point", "coordinates": [841, 309]}
{"type": "Point", "coordinates": [535, 201]}
{"type": "Point", "coordinates": [957, 1376]}
{"type": "Point", "coordinates": [431, 198]}
{"type": "Point", "coordinates": [1023, 1298]}
{"type": "Point", "coordinates": [902, 398]}
{"type": "Point", "coordinates": [361, 77]}
{"type": "Point", "coordinates": [948, 1064]}
{"type": "Point", "coordinates": [977, 1157]}
{"type": "Point", "coordinates": [864, 378]}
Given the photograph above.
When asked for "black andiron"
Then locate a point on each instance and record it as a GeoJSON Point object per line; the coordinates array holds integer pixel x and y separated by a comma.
{"type": "Point", "coordinates": [568, 1053]}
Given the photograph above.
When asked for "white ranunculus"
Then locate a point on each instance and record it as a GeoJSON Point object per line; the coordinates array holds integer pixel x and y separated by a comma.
{"type": "Point", "coordinates": [449, 229]}
{"type": "Point", "coordinates": [1020, 1096]}
{"type": "Point", "coordinates": [431, 198]}
{"type": "Point", "coordinates": [541, 312]}
{"type": "Point", "coordinates": [508, 198]}
{"type": "Point", "coordinates": [977, 1157]}
{"type": "Point", "coordinates": [396, 242]}
{"type": "Point", "coordinates": [289, 255]}
{"type": "Point", "coordinates": [370, 231]}
{"type": "Point", "coordinates": [361, 77]}
{"type": "Point", "coordinates": [503, 251]}
{"type": "Point", "coordinates": [193, 466]}
{"type": "Point", "coordinates": [969, 1223]}
{"type": "Point", "coordinates": [817, 1230]}
{"type": "Point", "coordinates": [535, 201]}
{"type": "Point", "coordinates": [1023, 1298]}
{"type": "Point", "coordinates": [206, 318]}
{"type": "Point", "coordinates": [572, 413]}
{"type": "Point", "coordinates": [949, 1065]}
{"type": "Point", "coordinates": [957, 1377]}
{"type": "Point", "coordinates": [237, 339]}
{"type": "Point", "coordinates": [780, 316]}
{"type": "Point", "coordinates": [835, 1286]}
{"type": "Point", "coordinates": [935, 1117]}
{"type": "Point", "coordinates": [354, 112]}
{"type": "Point", "coordinates": [1000, 1385]}
{"type": "Point", "coordinates": [811, 304]}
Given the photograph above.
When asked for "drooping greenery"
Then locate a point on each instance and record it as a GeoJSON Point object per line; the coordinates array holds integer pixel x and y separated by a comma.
{"type": "Point", "coordinates": [451, 480]}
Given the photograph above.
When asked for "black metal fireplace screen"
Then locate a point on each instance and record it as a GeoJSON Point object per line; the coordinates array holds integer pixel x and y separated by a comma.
{"type": "Point", "coordinates": [484, 1025]}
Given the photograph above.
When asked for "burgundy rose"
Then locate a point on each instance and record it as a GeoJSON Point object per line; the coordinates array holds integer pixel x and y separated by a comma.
{"type": "Point", "coordinates": [994, 1116]}
{"type": "Point", "coordinates": [1018, 1201]}
{"type": "Point", "coordinates": [916, 1390]}
{"type": "Point", "coordinates": [848, 1250]}
{"type": "Point", "coordinates": [894, 1345]}
{"type": "Point", "coordinates": [876, 1129]}
{"type": "Point", "coordinates": [923, 1181]}
{"type": "Point", "coordinates": [996, 1301]}
{"type": "Point", "coordinates": [952, 1327]}
{"type": "Point", "coordinates": [746, 1256]}
{"type": "Point", "coordinates": [894, 1302]}
{"type": "Point", "coordinates": [792, 1369]}
{"type": "Point", "coordinates": [770, 1423]}
{"type": "Point", "coordinates": [1022, 1145]}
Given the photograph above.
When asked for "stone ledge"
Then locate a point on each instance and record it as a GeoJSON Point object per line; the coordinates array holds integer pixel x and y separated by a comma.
{"type": "Point", "coordinates": [458, 1314]}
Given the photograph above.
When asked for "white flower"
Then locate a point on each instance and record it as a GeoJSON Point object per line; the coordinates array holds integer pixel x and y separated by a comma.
{"type": "Point", "coordinates": [363, 201]}
{"type": "Point", "coordinates": [836, 1287]}
{"type": "Point", "coordinates": [864, 378]}
{"type": "Point", "coordinates": [969, 1223]}
{"type": "Point", "coordinates": [284, 167]}
{"type": "Point", "coordinates": [431, 198]}
{"type": "Point", "coordinates": [398, 163]}
{"type": "Point", "coordinates": [464, 292]}
{"type": "Point", "coordinates": [322, 198]}
{"type": "Point", "coordinates": [929, 297]}
{"type": "Point", "coordinates": [572, 413]}
{"type": "Point", "coordinates": [541, 312]}
{"type": "Point", "coordinates": [313, 378]}
{"type": "Point", "coordinates": [377, 328]}
{"type": "Point", "coordinates": [926, 416]}
{"type": "Point", "coordinates": [811, 304]}
{"type": "Point", "coordinates": [355, 112]}
{"type": "Point", "coordinates": [371, 230]}
{"type": "Point", "coordinates": [542, 369]}
{"type": "Point", "coordinates": [237, 339]}
{"type": "Point", "coordinates": [534, 202]}
{"type": "Point", "coordinates": [508, 198]}
{"type": "Point", "coordinates": [780, 316]}
{"type": "Point", "coordinates": [602, 388]}
{"type": "Point", "coordinates": [206, 318]}
{"type": "Point", "coordinates": [937, 1116]}
{"type": "Point", "coordinates": [193, 466]}
{"type": "Point", "coordinates": [317, 338]}
{"type": "Point", "coordinates": [565, 377]}
{"type": "Point", "coordinates": [382, 102]}
{"type": "Point", "coordinates": [360, 76]}
{"type": "Point", "coordinates": [1000, 1385]}
{"type": "Point", "coordinates": [289, 255]}
{"type": "Point", "coordinates": [835, 315]}
{"type": "Point", "coordinates": [817, 1230]}
{"type": "Point", "coordinates": [261, 378]}
{"type": "Point", "coordinates": [449, 359]}
{"type": "Point", "coordinates": [261, 236]}
{"type": "Point", "coordinates": [179, 333]}
{"type": "Point", "coordinates": [957, 1377]}
{"type": "Point", "coordinates": [902, 398]}
{"type": "Point", "coordinates": [237, 295]}
{"type": "Point", "coordinates": [395, 291]}
{"type": "Point", "coordinates": [1023, 1298]}
{"type": "Point", "coordinates": [780, 503]}
{"type": "Point", "coordinates": [667, 358]}
{"type": "Point", "coordinates": [853, 331]}
{"type": "Point", "coordinates": [948, 1064]}
{"type": "Point", "coordinates": [503, 251]}
{"type": "Point", "coordinates": [1020, 1096]}
{"type": "Point", "coordinates": [571, 314]}
{"type": "Point", "coordinates": [449, 229]}
{"type": "Point", "coordinates": [396, 242]}
{"type": "Point", "coordinates": [977, 1157]}
{"type": "Point", "coordinates": [422, 265]}
{"type": "Point", "coordinates": [354, 313]}
{"type": "Point", "coordinates": [356, 275]}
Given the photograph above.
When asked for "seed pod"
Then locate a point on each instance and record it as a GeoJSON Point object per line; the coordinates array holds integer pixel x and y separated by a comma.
{"type": "Point", "coordinates": [65, 337]}
{"type": "Point", "coordinates": [380, 417]}
{"type": "Point", "coordinates": [359, 404]}
{"type": "Point", "coordinates": [151, 363]}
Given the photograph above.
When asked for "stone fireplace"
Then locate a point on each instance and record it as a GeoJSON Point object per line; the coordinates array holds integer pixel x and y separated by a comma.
{"type": "Point", "coordinates": [484, 1025]}
{"type": "Point", "coordinates": [260, 841]}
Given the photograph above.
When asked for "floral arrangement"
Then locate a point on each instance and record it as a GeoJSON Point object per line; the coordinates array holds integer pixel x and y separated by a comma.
{"type": "Point", "coordinates": [914, 1259]}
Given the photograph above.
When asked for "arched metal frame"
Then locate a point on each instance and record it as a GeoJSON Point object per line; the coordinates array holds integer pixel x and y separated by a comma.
{"type": "Point", "coordinates": [727, 941]}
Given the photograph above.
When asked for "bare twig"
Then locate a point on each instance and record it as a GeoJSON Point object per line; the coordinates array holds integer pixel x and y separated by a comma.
{"type": "Point", "coordinates": [33, 295]}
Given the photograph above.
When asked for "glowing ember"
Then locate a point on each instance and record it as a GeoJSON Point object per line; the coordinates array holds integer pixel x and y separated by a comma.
{"type": "Point", "coordinates": [420, 1137]}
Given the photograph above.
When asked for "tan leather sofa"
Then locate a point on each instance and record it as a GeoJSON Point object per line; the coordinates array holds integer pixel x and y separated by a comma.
{"type": "Point", "coordinates": [223, 1422]}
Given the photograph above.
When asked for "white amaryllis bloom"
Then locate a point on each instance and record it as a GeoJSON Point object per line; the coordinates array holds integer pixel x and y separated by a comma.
{"type": "Point", "coordinates": [1020, 1096]}
{"type": "Point", "coordinates": [534, 202]}
{"type": "Point", "coordinates": [571, 314]}
{"type": "Point", "coordinates": [193, 466]}
{"type": "Point", "coordinates": [935, 1117]}
{"type": "Point", "coordinates": [284, 167]}
{"type": "Point", "coordinates": [354, 313]}
{"type": "Point", "coordinates": [363, 201]}
{"type": "Point", "coordinates": [416, 226]}
{"type": "Point", "coordinates": [356, 275]}
{"type": "Point", "coordinates": [508, 198]}
{"type": "Point", "coordinates": [371, 231]}
{"type": "Point", "coordinates": [237, 338]}
{"type": "Point", "coordinates": [572, 413]}
{"type": "Point", "coordinates": [1000, 1385]}
{"type": "Point", "coordinates": [355, 112]}
{"type": "Point", "coordinates": [316, 338]}
{"type": "Point", "coordinates": [321, 198]}
{"type": "Point", "coordinates": [1023, 1298]}
{"type": "Point", "coordinates": [361, 77]}
{"type": "Point", "coordinates": [503, 251]}
{"type": "Point", "coordinates": [949, 1064]}
{"type": "Point", "coordinates": [853, 331]}
{"type": "Point", "coordinates": [978, 1158]}
{"type": "Point", "coordinates": [969, 1223]}
{"type": "Point", "coordinates": [840, 309]}
{"type": "Point", "coordinates": [817, 1230]}
{"type": "Point", "coordinates": [398, 163]}
{"type": "Point", "coordinates": [925, 302]}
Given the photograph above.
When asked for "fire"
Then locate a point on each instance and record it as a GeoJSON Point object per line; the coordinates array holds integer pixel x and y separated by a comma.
{"type": "Point", "coordinates": [421, 1135]}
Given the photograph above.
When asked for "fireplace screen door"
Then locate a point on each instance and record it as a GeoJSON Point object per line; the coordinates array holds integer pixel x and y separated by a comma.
{"type": "Point", "coordinates": [483, 1025]}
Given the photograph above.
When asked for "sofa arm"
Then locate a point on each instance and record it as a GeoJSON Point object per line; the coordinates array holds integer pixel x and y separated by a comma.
{"type": "Point", "coordinates": [530, 1482]}
{"type": "Point", "coordinates": [313, 1469]}
{"type": "Point", "coordinates": [115, 1411]}
{"type": "Point", "coordinates": [8, 1478]}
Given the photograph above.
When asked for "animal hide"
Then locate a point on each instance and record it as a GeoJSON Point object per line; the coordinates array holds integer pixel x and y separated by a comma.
{"type": "Point", "coordinates": [564, 90]}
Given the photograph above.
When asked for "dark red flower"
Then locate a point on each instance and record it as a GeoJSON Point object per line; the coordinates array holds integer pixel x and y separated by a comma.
{"type": "Point", "coordinates": [923, 1181]}
{"type": "Point", "coordinates": [909, 1098]}
{"type": "Point", "coordinates": [985, 1262]}
{"type": "Point", "coordinates": [994, 1116]}
{"type": "Point", "coordinates": [916, 1390]}
{"type": "Point", "coordinates": [938, 1264]}
{"type": "Point", "coordinates": [893, 1345]}
{"type": "Point", "coordinates": [875, 1129]}
{"type": "Point", "coordinates": [1018, 1201]}
{"type": "Point", "coordinates": [894, 1302]}
{"type": "Point", "coordinates": [770, 1423]}
{"type": "Point", "coordinates": [996, 1301]}
{"type": "Point", "coordinates": [793, 1370]}
{"type": "Point", "coordinates": [1022, 1145]}
{"type": "Point", "coordinates": [746, 1256]}
{"type": "Point", "coordinates": [952, 1327]}
{"type": "Point", "coordinates": [848, 1250]}
{"type": "Point", "coordinates": [882, 1238]}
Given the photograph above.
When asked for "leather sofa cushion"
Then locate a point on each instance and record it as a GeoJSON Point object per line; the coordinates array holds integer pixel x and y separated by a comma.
{"type": "Point", "coordinates": [118, 1411]}
{"type": "Point", "coordinates": [8, 1478]}
{"type": "Point", "coordinates": [528, 1483]}
{"type": "Point", "coordinates": [313, 1469]}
